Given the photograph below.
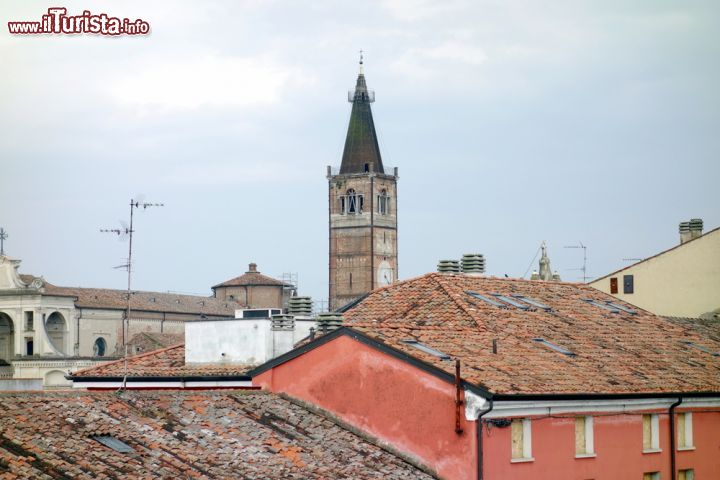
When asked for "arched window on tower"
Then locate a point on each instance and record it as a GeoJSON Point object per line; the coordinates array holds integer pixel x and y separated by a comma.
{"type": "Point", "coordinates": [99, 347]}
{"type": "Point", "coordinates": [352, 203]}
{"type": "Point", "coordinates": [383, 201]}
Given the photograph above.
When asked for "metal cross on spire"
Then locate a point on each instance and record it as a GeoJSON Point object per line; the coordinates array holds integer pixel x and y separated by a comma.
{"type": "Point", "coordinates": [3, 237]}
{"type": "Point", "coordinates": [361, 63]}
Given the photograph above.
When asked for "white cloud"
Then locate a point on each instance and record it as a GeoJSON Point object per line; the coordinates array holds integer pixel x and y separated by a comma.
{"type": "Point", "coordinates": [206, 82]}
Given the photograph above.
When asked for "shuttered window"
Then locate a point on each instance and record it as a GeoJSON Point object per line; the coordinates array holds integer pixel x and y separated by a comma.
{"type": "Point", "coordinates": [584, 444]}
{"type": "Point", "coordinates": [521, 436]}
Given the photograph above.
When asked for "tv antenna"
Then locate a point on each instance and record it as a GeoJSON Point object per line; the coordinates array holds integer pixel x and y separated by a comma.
{"type": "Point", "coordinates": [585, 278]}
{"type": "Point", "coordinates": [3, 237]}
{"type": "Point", "coordinates": [126, 231]}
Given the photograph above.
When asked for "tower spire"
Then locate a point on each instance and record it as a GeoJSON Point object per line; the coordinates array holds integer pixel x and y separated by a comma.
{"type": "Point", "coordinates": [361, 153]}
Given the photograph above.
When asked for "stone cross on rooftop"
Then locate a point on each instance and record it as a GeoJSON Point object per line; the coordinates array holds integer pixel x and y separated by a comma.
{"type": "Point", "coordinates": [3, 237]}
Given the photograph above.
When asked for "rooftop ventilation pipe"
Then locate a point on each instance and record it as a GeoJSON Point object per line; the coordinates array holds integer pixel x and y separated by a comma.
{"type": "Point", "coordinates": [300, 306]}
{"type": "Point", "coordinates": [473, 263]}
{"type": "Point", "coordinates": [448, 266]}
{"type": "Point", "coordinates": [690, 230]}
{"type": "Point", "coordinates": [328, 321]}
{"type": "Point", "coordinates": [282, 327]}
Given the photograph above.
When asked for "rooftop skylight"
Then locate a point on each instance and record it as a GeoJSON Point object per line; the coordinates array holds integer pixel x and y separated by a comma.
{"type": "Point", "coordinates": [701, 348]}
{"type": "Point", "coordinates": [552, 346]}
{"type": "Point", "coordinates": [602, 305]}
{"type": "Point", "coordinates": [486, 299]}
{"type": "Point", "coordinates": [424, 348]}
{"type": "Point", "coordinates": [622, 307]}
{"type": "Point", "coordinates": [511, 301]}
{"type": "Point", "coordinates": [534, 303]}
{"type": "Point", "coordinates": [114, 443]}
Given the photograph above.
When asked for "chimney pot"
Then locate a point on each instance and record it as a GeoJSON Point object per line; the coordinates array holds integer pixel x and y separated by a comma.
{"type": "Point", "coordinates": [252, 268]}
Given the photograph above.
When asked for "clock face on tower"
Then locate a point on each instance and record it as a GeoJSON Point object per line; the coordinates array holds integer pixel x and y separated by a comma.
{"type": "Point", "coordinates": [384, 274]}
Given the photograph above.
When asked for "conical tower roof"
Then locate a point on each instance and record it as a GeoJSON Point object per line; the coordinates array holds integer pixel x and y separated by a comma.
{"type": "Point", "coordinates": [362, 152]}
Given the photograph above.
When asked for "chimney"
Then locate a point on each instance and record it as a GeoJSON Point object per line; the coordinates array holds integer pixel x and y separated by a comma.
{"type": "Point", "coordinates": [448, 266]}
{"type": "Point", "coordinates": [283, 329]}
{"type": "Point", "coordinates": [328, 321]}
{"type": "Point", "coordinates": [252, 268]}
{"type": "Point", "coordinates": [690, 230]}
{"type": "Point", "coordinates": [473, 263]}
{"type": "Point", "coordinates": [300, 306]}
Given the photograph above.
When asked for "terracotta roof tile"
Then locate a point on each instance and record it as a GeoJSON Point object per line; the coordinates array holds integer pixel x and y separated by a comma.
{"type": "Point", "coordinates": [248, 279]}
{"type": "Point", "coordinates": [182, 435]}
{"type": "Point", "coordinates": [166, 362]}
{"type": "Point", "coordinates": [146, 301]}
{"type": "Point", "coordinates": [614, 352]}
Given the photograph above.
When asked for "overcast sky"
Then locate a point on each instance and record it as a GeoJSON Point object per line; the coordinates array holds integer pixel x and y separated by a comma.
{"type": "Point", "coordinates": [511, 122]}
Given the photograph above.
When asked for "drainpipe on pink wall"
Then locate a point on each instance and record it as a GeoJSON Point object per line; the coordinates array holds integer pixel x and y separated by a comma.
{"type": "Point", "coordinates": [478, 430]}
{"type": "Point", "coordinates": [671, 412]}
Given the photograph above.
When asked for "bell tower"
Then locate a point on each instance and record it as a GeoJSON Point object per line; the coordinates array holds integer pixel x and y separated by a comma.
{"type": "Point", "coordinates": [362, 198]}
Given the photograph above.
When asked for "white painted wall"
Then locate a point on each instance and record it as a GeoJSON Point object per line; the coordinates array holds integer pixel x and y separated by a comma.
{"type": "Point", "coordinates": [240, 341]}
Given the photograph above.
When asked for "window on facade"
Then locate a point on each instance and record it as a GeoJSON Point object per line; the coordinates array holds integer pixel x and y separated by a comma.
{"type": "Point", "coordinates": [29, 322]}
{"type": "Point", "coordinates": [352, 203]}
{"type": "Point", "coordinates": [688, 474]}
{"type": "Point", "coordinates": [383, 202]}
{"type": "Point", "coordinates": [613, 285]}
{"type": "Point", "coordinates": [99, 347]}
{"type": "Point", "coordinates": [684, 431]}
{"type": "Point", "coordinates": [651, 433]}
{"type": "Point", "coordinates": [29, 346]}
{"type": "Point", "coordinates": [628, 284]}
{"type": "Point", "coordinates": [651, 476]}
{"type": "Point", "coordinates": [521, 440]}
{"type": "Point", "coordinates": [584, 441]}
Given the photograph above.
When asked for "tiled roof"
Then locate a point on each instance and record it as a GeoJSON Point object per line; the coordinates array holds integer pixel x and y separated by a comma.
{"type": "Point", "coordinates": [250, 279]}
{"type": "Point", "coordinates": [148, 341]}
{"type": "Point", "coordinates": [615, 353]}
{"type": "Point", "coordinates": [705, 327]}
{"type": "Point", "coordinates": [146, 301]}
{"type": "Point", "coordinates": [250, 435]}
{"type": "Point", "coordinates": [166, 362]}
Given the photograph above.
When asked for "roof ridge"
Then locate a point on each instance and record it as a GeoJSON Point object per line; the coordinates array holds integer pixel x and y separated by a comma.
{"type": "Point", "coordinates": [134, 357]}
{"type": "Point", "coordinates": [457, 301]}
{"type": "Point", "coordinates": [657, 254]}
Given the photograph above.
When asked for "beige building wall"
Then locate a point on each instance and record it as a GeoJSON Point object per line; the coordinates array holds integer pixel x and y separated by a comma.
{"type": "Point", "coordinates": [682, 282]}
{"type": "Point", "coordinates": [254, 296]}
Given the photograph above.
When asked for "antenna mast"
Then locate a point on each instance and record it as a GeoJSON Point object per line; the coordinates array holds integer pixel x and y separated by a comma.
{"type": "Point", "coordinates": [585, 278]}
{"type": "Point", "coordinates": [129, 232]}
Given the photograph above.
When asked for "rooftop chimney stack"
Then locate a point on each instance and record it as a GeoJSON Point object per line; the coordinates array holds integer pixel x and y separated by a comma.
{"type": "Point", "coordinates": [300, 306]}
{"type": "Point", "coordinates": [252, 268]}
{"type": "Point", "coordinates": [690, 230]}
{"type": "Point", "coordinates": [473, 263]}
{"type": "Point", "coordinates": [328, 321]}
{"type": "Point", "coordinates": [283, 329]}
{"type": "Point", "coordinates": [448, 266]}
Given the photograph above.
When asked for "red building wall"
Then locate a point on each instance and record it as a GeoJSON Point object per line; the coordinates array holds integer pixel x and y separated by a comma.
{"type": "Point", "coordinates": [407, 407]}
{"type": "Point", "coordinates": [618, 446]}
{"type": "Point", "coordinates": [415, 412]}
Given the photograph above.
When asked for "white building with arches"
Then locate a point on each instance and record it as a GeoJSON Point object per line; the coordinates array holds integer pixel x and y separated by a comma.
{"type": "Point", "coordinates": [47, 331]}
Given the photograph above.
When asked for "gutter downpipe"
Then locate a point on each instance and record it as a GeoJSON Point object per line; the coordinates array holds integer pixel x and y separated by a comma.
{"type": "Point", "coordinates": [478, 432]}
{"type": "Point", "coordinates": [671, 413]}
